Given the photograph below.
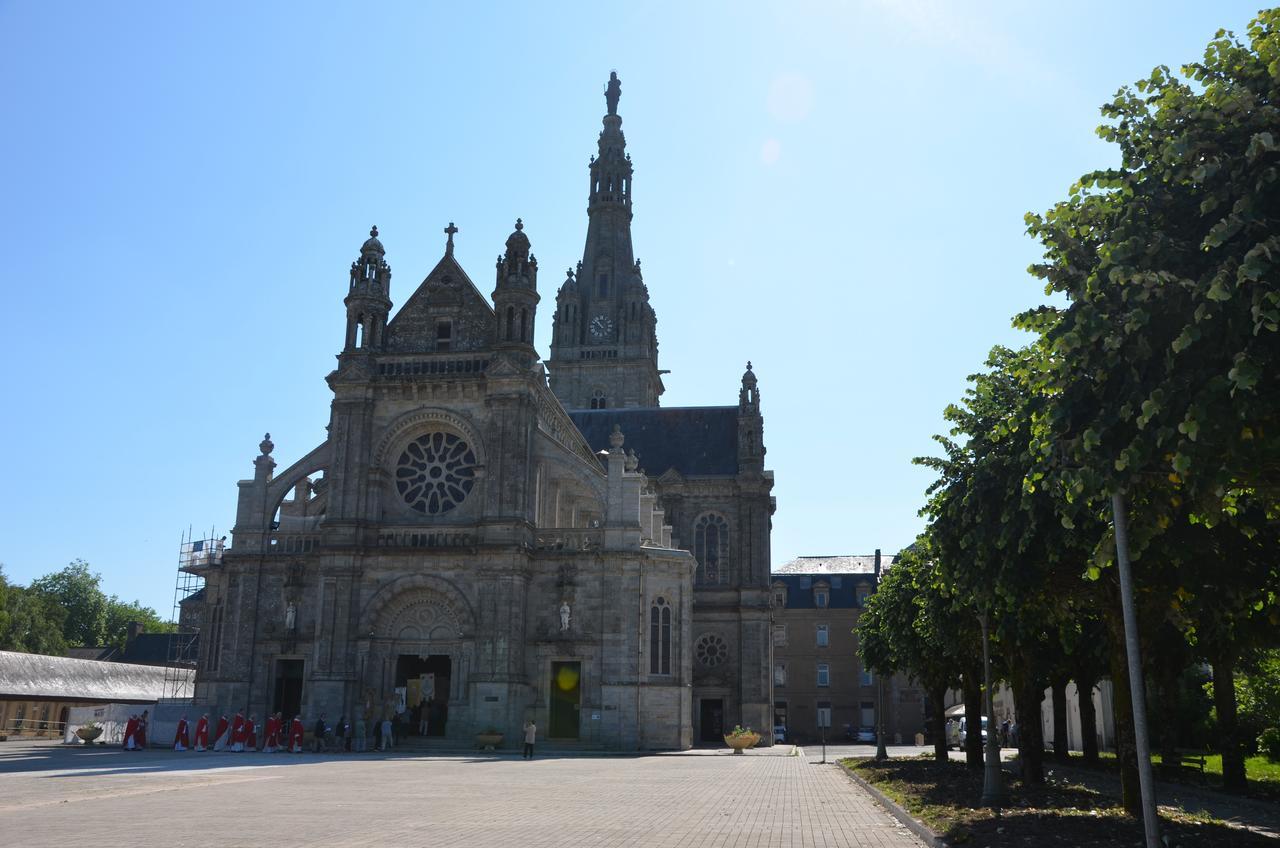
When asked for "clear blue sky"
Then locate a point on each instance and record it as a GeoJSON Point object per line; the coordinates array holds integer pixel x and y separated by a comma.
{"type": "Point", "coordinates": [834, 190]}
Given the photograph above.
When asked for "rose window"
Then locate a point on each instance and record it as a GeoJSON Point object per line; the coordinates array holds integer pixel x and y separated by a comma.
{"type": "Point", "coordinates": [436, 472]}
{"type": "Point", "coordinates": [711, 650]}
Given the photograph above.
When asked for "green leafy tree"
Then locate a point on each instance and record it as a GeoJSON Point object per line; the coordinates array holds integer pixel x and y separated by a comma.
{"type": "Point", "coordinates": [1168, 353]}
{"type": "Point", "coordinates": [29, 622]}
{"type": "Point", "coordinates": [77, 590]}
{"type": "Point", "coordinates": [909, 626]}
{"type": "Point", "coordinates": [120, 615]}
{"type": "Point", "coordinates": [1009, 540]}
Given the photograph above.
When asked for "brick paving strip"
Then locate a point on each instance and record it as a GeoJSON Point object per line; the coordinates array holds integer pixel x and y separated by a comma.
{"type": "Point", "coordinates": [694, 800]}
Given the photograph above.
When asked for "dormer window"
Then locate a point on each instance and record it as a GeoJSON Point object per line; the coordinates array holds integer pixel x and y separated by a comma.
{"type": "Point", "coordinates": [864, 592]}
{"type": "Point", "coordinates": [780, 595]}
{"type": "Point", "coordinates": [444, 335]}
{"type": "Point", "coordinates": [822, 596]}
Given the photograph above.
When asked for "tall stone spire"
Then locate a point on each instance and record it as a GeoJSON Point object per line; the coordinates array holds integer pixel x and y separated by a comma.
{"type": "Point", "coordinates": [604, 348]}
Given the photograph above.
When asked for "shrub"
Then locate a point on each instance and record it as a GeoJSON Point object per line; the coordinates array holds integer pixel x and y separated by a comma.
{"type": "Point", "coordinates": [1269, 744]}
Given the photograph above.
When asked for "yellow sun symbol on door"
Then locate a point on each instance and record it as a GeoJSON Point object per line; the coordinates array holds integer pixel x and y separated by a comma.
{"type": "Point", "coordinates": [567, 678]}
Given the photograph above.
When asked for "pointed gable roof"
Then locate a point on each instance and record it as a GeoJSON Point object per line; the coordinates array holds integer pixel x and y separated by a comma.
{"type": "Point", "coordinates": [446, 291]}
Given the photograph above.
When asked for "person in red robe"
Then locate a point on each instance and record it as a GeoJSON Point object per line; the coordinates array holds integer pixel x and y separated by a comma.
{"type": "Point", "coordinates": [202, 733]}
{"type": "Point", "coordinates": [220, 741]}
{"type": "Point", "coordinates": [180, 740]}
{"type": "Point", "coordinates": [237, 732]}
{"type": "Point", "coordinates": [272, 733]}
{"type": "Point", "coordinates": [141, 736]}
{"type": "Point", "coordinates": [295, 735]}
{"type": "Point", "coordinates": [131, 733]}
{"type": "Point", "coordinates": [250, 735]}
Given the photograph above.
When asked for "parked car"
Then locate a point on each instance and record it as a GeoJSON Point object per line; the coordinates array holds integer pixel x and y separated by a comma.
{"type": "Point", "coordinates": [779, 733]}
{"type": "Point", "coordinates": [957, 732]}
{"type": "Point", "coordinates": [866, 735]}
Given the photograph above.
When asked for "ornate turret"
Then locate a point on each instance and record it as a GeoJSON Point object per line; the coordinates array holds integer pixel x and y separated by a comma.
{"type": "Point", "coordinates": [750, 425]}
{"type": "Point", "coordinates": [368, 300]}
{"type": "Point", "coordinates": [515, 297]}
{"type": "Point", "coordinates": [604, 352]}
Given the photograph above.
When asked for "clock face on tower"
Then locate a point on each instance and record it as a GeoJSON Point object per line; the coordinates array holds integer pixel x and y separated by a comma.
{"type": "Point", "coordinates": [601, 327]}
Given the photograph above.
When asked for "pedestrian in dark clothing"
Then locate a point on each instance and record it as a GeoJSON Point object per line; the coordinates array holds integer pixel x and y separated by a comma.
{"type": "Point", "coordinates": [319, 731]}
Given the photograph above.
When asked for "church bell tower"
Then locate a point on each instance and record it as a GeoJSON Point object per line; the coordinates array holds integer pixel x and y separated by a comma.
{"type": "Point", "coordinates": [604, 344]}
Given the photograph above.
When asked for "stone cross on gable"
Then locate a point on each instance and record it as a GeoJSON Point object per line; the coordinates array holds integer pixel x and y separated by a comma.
{"type": "Point", "coordinates": [449, 231]}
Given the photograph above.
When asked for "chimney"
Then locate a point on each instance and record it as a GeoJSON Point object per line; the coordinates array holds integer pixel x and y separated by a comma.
{"type": "Point", "coordinates": [877, 565]}
{"type": "Point", "coordinates": [132, 632]}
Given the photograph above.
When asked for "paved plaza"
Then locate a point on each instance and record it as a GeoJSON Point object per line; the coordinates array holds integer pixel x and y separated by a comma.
{"type": "Point", "coordinates": [57, 796]}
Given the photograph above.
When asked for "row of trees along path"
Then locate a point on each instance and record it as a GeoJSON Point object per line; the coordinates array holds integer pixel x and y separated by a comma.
{"type": "Point", "coordinates": [1159, 378]}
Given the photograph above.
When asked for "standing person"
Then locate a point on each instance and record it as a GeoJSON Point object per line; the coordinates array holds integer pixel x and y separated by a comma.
{"type": "Point", "coordinates": [141, 735]}
{"type": "Point", "coordinates": [180, 740]}
{"type": "Point", "coordinates": [386, 731]}
{"type": "Point", "coordinates": [1004, 733]}
{"type": "Point", "coordinates": [223, 736]}
{"type": "Point", "coordinates": [250, 735]}
{"type": "Point", "coordinates": [530, 736]}
{"type": "Point", "coordinates": [237, 732]}
{"type": "Point", "coordinates": [362, 731]}
{"type": "Point", "coordinates": [202, 733]}
{"type": "Point", "coordinates": [340, 734]}
{"type": "Point", "coordinates": [131, 733]}
{"type": "Point", "coordinates": [318, 731]}
{"type": "Point", "coordinates": [296, 733]}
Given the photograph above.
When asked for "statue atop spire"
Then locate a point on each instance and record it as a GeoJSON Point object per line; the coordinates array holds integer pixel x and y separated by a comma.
{"type": "Point", "coordinates": [612, 92]}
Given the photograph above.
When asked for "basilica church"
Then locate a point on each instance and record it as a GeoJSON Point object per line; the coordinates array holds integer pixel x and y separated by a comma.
{"type": "Point", "coordinates": [487, 537]}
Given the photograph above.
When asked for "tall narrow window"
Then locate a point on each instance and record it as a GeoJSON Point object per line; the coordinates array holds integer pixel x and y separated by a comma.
{"type": "Point", "coordinates": [822, 633]}
{"type": "Point", "coordinates": [711, 548]}
{"type": "Point", "coordinates": [511, 321]}
{"type": "Point", "coordinates": [598, 400]}
{"type": "Point", "coordinates": [824, 674]}
{"type": "Point", "coordinates": [602, 285]}
{"type": "Point", "coordinates": [779, 674]}
{"type": "Point", "coordinates": [444, 335]}
{"type": "Point", "coordinates": [821, 596]}
{"type": "Point", "coordinates": [660, 637]}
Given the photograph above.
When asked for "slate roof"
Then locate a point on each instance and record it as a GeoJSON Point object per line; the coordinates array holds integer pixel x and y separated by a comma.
{"type": "Point", "coordinates": [40, 676]}
{"type": "Point", "coordinates": [697, 441]}
{"type": "Point", "coordinates": [834, 565]}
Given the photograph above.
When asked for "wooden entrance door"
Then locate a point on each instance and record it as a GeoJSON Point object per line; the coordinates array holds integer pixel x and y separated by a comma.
{"type": "Point", "coordinates": [566, 689]}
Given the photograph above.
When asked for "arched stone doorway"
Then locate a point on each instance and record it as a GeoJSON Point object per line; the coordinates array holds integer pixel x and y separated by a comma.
{"type": "Point", "coordinates": [418, 655]}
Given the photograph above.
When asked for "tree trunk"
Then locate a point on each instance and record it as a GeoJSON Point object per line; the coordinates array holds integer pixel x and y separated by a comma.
{"type": "Point", "coordinates": [1061, 745]}
{"type": "Point", "coordinates": [1027, 695]}
{"type": "Point", "coordinates": [938, 705]}
{"type": "Point", "coordinates": [1126, 745]}
{"type": "Point", "coordinates": [973, 717]}
{"type": "Point", "coordinates": [1224, 701]}
{"type": "Point", "coordinates": [1088, 720]}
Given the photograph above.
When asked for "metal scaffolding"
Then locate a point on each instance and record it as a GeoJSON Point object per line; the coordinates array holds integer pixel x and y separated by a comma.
{"type": "Point", "coordinates": [184, 643]}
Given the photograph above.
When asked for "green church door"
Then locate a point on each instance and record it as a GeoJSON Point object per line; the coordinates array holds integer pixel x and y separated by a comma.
{"type": "Point", "coordinates": [566, 687]}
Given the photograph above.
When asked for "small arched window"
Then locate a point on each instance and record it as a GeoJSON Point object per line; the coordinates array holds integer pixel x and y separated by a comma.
{"type": "Point", "coordinates": [598, 399]}
{"type": "Point", "coordinates": [711, 548]}
{"type": "Point", "coordinates": [660, 637]}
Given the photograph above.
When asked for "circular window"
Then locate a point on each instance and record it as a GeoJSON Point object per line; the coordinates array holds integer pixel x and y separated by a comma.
{"type": "Point", "coordinates": [711, 650]}
{"type": "Point", "coordinates": [436, 472]}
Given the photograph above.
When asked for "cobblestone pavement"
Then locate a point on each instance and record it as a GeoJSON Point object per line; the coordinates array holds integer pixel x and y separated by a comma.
{"type": "Point", "coordinates": [57, 796]}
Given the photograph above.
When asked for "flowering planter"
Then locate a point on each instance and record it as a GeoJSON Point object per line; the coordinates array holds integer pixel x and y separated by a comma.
{"type": "Point", "coordinates": [88, 734]}
{"type": "Point", "coordinates": [488, 741]}
{"type": "Point", "coordinates": [742, 741]}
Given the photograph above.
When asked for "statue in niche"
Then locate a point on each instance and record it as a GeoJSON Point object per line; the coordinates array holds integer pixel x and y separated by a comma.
{"type": "Point", "coordinates": [291, 616]}
{"type": "Point", "coordinates": [564, 616]}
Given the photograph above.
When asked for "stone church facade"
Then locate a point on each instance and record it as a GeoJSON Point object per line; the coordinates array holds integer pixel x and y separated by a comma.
{"type": "Point", "coordinates": [485, 538]}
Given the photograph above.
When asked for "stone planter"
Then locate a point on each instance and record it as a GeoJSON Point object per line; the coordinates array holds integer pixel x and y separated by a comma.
{"type": "Point", "coordinates": [742, 741]}
{"type": "Point", "coordinates": [488, 741]}
{"type": "Point", "coordinates": [88, 734]}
